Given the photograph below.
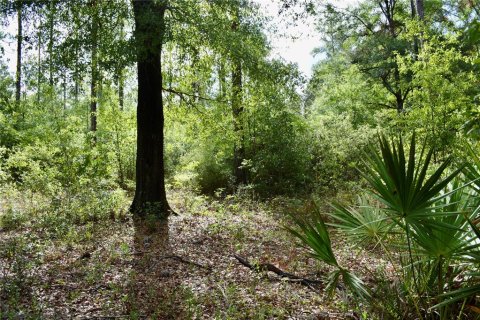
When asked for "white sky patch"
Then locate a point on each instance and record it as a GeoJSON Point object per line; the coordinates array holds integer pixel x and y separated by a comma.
{"type": "Point", "coordinates": [9, 44]}
{"type": "Point", "coordinates": [300, 38]}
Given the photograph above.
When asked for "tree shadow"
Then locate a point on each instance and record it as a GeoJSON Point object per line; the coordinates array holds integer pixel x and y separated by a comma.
{"type": "Point", "coordinates": [153, 289]}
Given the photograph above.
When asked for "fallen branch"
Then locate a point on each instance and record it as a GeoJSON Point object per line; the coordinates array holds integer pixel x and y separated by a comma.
{"type": "Point", "coordinates": [285, 275]}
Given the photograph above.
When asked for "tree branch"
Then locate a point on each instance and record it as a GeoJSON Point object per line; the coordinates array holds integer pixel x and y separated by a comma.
{"type": "Point", "coordinates": [191, 95]}
{"type": "Point", "coordinates": [270, 267]}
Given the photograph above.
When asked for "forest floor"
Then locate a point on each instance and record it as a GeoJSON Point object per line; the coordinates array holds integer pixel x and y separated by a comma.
{"type": "Point", "coordinates": [184, 270]}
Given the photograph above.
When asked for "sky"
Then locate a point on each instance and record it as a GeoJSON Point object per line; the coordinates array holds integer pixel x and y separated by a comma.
{"type": "Point", "coordinates": [295, 45]}
{"type": "Point", "coordinates": [301, 38]}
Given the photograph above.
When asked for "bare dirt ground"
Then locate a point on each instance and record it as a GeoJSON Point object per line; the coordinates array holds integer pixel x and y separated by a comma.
{"type": "Point", "coordinates": [180, 269]}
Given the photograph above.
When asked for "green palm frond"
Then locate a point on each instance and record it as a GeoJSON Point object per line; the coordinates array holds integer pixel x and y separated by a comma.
{"type": "Point", "coordinates": [402, 183]}
{"type": "Point", "coordinates": [458, 295]}
{"type": "Point", "coordinates": [472, 169]}
{"type": "Point", "coordinates": [364, 224]}
{"type": "Point", "coordinates": [350, 280]}
{"type": "Point", "coordinates": [451, 235]}
{"type": "Point", "coordinates": [313, 234]}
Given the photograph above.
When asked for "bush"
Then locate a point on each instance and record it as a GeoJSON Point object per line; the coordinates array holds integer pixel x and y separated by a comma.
{"type": "Point", "coordinates": [437, 239]}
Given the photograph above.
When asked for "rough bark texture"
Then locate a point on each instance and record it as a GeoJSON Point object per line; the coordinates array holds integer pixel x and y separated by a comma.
{"type": "Point", "coordinates": [420, 10]}
{"type": "Point", "coordinates": [240, 173]}
{"type": "Point", "coordinates": [94, 75]}
{"type": "Point", "coordinates": [18, 76]}
{"type": "Point", "coordinates": [150, 197]}
{"type": "Point", "coordinates": [121, 90]}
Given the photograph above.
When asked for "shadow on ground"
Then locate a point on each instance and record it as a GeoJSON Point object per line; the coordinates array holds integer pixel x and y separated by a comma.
{"type": "Point", "coordinates": [155, 290]}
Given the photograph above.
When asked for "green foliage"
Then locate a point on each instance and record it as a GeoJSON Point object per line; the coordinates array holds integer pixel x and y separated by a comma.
{"type": "Point", "coordinates": [402, 184]}
{"type": "Point", "coordinates": [54, 175]}
{"type": "Point", "coordinates": [383, 69]}
{"type": "Point", "coordinates": [435, 213]}
{"type": "Point", "coordinates": [365, 224]}
{"type": "Point", "coordinates": [314, 236]}
{"type": "Point", "coordinates": [18, 262]}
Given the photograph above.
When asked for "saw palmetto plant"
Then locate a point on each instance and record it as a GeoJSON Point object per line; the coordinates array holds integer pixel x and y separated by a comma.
{"type": "Point", "coordinates": [433, 209]}
{"type": "Point", "coordinates": [366, 224]}
{"type": "Point", "coordinates": [313, 235]}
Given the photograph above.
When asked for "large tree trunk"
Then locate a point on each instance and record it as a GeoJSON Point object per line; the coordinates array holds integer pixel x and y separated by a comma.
{"type": "Point", "coordinates": [18, 76]}
{"type": "Point", "coordinates": [399, 103]}
{"type": "Point", "coordinates": [420, 10]}
{"type": "Point", "coordinates": [237, 110]}
{"type": "Point", "coordinates": [150, 196]}
{"type": "Point", "coordinates": [239, 171]}
{"type": "Point", "coordinates": [94, 75]}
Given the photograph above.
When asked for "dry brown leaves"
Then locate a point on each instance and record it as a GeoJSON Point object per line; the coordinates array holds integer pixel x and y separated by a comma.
{"type": "Point", "coordinates": [183, 269]}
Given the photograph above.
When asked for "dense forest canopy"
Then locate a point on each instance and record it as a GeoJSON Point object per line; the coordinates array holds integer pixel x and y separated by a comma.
{"type": "Point", "coordinates": [126, 121]}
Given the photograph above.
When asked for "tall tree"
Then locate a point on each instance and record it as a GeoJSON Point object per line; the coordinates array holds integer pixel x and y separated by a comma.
{"type": "Point", "coordinates": [18, 76]}
{"type": "Point", "coordinates": [150, 196]}
{"type": "Point", "coordinates": [420, 9]}
{"type": "Point", "coordinates": [39, 58]}
{"type": "Point", "coordinates": [239, 171]}
{"type": "Point", "coordinates": [376, 28]}
{"type": "Point", "coordinates": [51, 27]}
{"type": "Point", "coordinates": [94, 71]}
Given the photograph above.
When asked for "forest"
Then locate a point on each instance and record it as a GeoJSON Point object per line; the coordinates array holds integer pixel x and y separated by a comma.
{"type": "Point", "coordinates": [158, 160]}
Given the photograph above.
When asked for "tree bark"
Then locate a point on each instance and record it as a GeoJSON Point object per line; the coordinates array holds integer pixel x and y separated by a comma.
{"type": "Point", "coordinates": [415, 39]}
{"type": "Point", "coordinates": [121, 94]}
{"type": "Point", "coordinates": [120, 72]}
{"type": "Point", "coordinates": [421, 17]}
{"type": "Point", "coordinates": [420, 10]}
{"type": "Point", "coordinates": [399, 102]}
{"type": "Point", "coordinates": [18, 76]}
{"type": "Point", "coordinates": [39, 62]}
{"type": "Point", "coordinates": [150, 196]}
{"type": "Point", "coordinates": [77, 58]}
{"type": "Point", "coordinates": [65, 90]}
{"type": "Point", "coordinates": [50, 41]}
{"type": "Point", "coordinates": [94, 74]}
{"type": "Point", "coordinates": [239, 172]}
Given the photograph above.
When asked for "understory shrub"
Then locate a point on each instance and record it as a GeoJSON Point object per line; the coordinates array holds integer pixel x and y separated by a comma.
{"type": "Point", "coordinates": [56, 172]}
{"type": "Point", "coordinates": [423, 217]}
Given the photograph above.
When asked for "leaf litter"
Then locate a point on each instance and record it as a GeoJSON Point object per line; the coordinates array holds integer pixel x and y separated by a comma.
{"type": "Point", "coordinates": [181, 269]}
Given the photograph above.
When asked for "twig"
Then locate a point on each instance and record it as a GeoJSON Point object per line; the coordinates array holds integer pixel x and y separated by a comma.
{"type": "Point", "coordinates": [270, 267]}
{"type": "Point", "coordinates": [178, 258]}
